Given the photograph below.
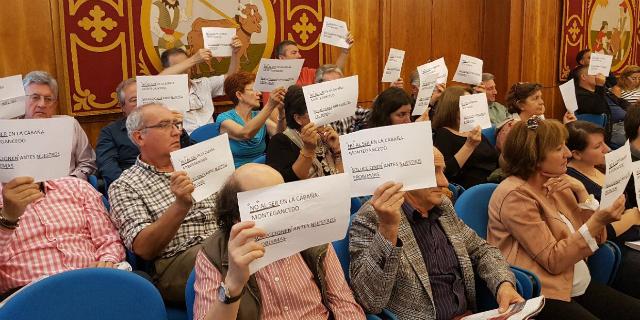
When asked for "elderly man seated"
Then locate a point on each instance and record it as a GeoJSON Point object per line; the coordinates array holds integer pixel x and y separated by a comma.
{"type": "Point", "coordinates": [307, 285]}
{"type": "Point", "coordinates": [42, 100]}
{"type": "Point", "coordinates": [411, 254]}
{"type": "Point", "coordinates": [151, 204]}
{"type": "Point", "coordinates": [52, 227]}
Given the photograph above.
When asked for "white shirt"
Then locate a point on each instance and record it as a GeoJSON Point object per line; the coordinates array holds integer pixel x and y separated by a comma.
{"type": "Point", "coordinates": [581, 275]}
{"type": "Point", "coordinates": [201, 94]}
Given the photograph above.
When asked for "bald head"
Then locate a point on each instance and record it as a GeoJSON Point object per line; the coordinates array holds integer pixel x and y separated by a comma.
{"type": "Point", "coordinates": [255, 176]}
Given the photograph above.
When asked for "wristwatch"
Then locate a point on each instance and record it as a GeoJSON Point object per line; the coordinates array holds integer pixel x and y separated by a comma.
{"type": "Point", "coordinates": [6, 223]}
{"type": "Point", "coordinates": [225, 297]}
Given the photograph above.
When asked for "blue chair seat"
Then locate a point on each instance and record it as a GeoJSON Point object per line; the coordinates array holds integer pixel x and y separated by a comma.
{"type": "Point", "coordinates": [599, 119]}
{"type": "Point", "coordinates": [472, 206]}
{"type": "Point", "coordinates": [206, 132]}
{"type": "Point", "coordinates": [490, 134]}
{"type": "Point", "coordinates": [604, 263]}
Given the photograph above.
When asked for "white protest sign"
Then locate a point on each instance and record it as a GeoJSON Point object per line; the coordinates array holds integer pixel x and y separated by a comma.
{"type": "Point", "coordinates": [568, 91]}
{"type": "Point", "coordinates": [38, 148]}
{"type": "Point", "coordinates": [331, 101]}
{"type": "Point", "coordinates": [297, 215]}
{"type": "Point", "coordinates": [618, 171]}
{"type": "Point", "coordinates": [469, 70]}
{"type": "Point", "coordinates": [438, 67]}
{"type": "Point", "coordinates": [274, 73]}
{"type": "Point", "coordinates": [424, 94]}
{"type": "Point", "coordinates": [600, 64]}
{"type": "Point", "coordinates": [172, 91]}
{"type": "Point", "coordinates": [208, 164]}
{"type": "Point", "coordinates": [393, 66]}
{"type": "Point", "coordinates": [401, 153]}
{"type": "Point", "coordinates": [218, 40]}
{"type": "Point", "coordinates": [12, 97]}
{"type": "Point", "coordinates": [334, 32]}
{"type": "Point", "coordinates": [474, 111]}
{"type": "Point", "coordinates": [635, 166]}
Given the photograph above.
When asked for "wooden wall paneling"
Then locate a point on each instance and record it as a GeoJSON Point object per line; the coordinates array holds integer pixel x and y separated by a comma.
{"type": "Point", "coordinates": [363, 19]}
{"type": "Point", "coordinates": [456, 28]}
{"type": "Point", "coordinates": [495, 43]}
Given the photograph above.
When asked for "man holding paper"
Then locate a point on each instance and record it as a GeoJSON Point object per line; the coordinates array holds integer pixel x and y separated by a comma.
{"type": "Point", "coordinates": [152, 205]}
{"type": "Point", "coordinates": [201, 90]}
{"type": "Point", "coordinates": [225, 287]}
{"type": "Point", "coordinates": [411, 254]}
{"type": "Point", "coordinates": [42, 100]}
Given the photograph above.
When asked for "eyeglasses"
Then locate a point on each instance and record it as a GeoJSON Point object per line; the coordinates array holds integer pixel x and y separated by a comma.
{"type": "Point", "coordinates": [166, 125]}
{"type": "Point", "coordinates": [634, 78]}
{"type": "Point", "coordinates": [35, 98]}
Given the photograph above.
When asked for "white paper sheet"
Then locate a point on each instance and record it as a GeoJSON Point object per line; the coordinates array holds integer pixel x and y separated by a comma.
{"type": "Point", "coordinates": [400, 153]}
{"type": "Point", "coordinates": [600, 64]}
{"type": "Point", "coordinates": [518, 311]}
{"type": "Point", "coordinates": [474, 111]}
{"type": "Point", "coordinates": [274, 73]}
{"type": "Point", "coordinates": [424, 94]}
{"type": "Point", "coordinates": [12, 97]}
{"type": "Point", "coordinates": [38, 148]}
{"type": "Point", "coordinates": [331, 101]}
{"type": "Point", "coordinates": [297, 215]}
{"type": "Point", "coordinates": [393, 67]}
{"type": "Point", "coordinates": [208, 164]}
{"type": "Point", "coordinates": [469, 70]}
{"type": "Point", "coordinates": [218, 40]}
{"type": "Point", "coordinates": [334, 32]}
{"type": "Point", "coordinates": [171, 90]}
{"type": "Point", "coordinates": [618, 171]}
{"type": "Point", "coordinates": [568, 91]}
{"type": "Point", "coordinates": [438, 67]}
{"type": "Point", "coordinates": [635, 166]}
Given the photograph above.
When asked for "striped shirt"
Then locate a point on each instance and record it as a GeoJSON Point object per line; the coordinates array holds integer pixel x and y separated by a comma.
{"type": "Point", "coordinates": [631, 96]}
{"type": "Point", "coordinates": [141, 196]}
{"type": "Point", "coordinates": [353, 123]}
{"type": "Point", "coordinates": [287, 290]}
{"type": "Point", "coordinates": [66, 229]}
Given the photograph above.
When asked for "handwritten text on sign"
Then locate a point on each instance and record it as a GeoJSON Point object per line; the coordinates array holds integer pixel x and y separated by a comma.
{"type": "Point", "coordinates": [331, 100]}
{"type": "Point", "coordinates": [172, 91]}
{"type": "Point", "coordinates": [274, 73]}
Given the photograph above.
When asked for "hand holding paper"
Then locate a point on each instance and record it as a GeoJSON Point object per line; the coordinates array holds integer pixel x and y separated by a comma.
{"type": "Point", "coordinates": [600, 64]}
{"type": "Point", "coordinates": [219, 40]}
{"type": "Point", "coordinates": [618, 172]}
{"type": "Point", "coordinates": [17, 194]}
{"type": "Point", "coordinates": [243, 250]}
{"type": "Point", "coordinates": [568, 91]}
{"type": "Point", "coordinates": [469, 70]}
{"type": "Point", "coordinates": [474, 111]}
{"type": "Point", "coordinates": [335, 33]}
{"type": "Point", "coordinates": [438, 67]}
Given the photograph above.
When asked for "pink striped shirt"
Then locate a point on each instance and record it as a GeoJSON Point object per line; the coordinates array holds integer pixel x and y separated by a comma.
{"type": "Point", "coordinates": [287, 290]}
{"type": "Point", "coordinates": [66, 229]}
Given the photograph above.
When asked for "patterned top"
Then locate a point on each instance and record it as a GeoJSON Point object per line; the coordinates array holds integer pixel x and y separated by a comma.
{"type": "Point", "coordinates": [631, 96]}
{"type": "Point", "coordinates": [287, 290]}
{"type": "Point", "coordinates": [353, 123]}
{"type": "Point", "coordinates": [66, 229]}
{"type": "Point", "coordinates": [141, 196]}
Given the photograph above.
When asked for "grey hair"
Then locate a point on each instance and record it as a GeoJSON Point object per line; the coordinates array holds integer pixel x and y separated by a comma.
{"type": "Point", "coordinates": [414, 78]}
{"type": "Point", "coordinates": [120, 89]}
{"type": "Point", "coordinates": [487, 77]}
{"type": "Point", "coordinates": [41, 77]}
{"type": "Point", "coordinates": [324, 69]}
{"type": "Point", "coordinates": [135, 120]}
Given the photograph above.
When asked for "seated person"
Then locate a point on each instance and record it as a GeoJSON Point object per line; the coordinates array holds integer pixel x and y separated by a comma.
{"type": "Point", "coordinates": [151, 203]}
{"type": "Point", "coordinates": [289, 288]}
{"type": "Point", "coordinates": [524, 101]}
{"type": "Point", "coordinates": [52, 227]}
{"type": "Point", "coordinates": [545, 221]}
{"type": "Point", "coordinates": [41, 90]}
{"type": "Point", "coordinates": [392, 106]}
{"type": "Point", "coordinates": [583, 58]}
{"type": "Point", "coordinates": [497, 112]}
{"type": "Point", "coordinates": [303, 150]}
{"type": "Point", "coordinates": [588, 149]}
{"type": "Point", "coordinates": [631, 129]}
{"type": "Point", "coordinates": [411, 254]}
{"type": "Point", "coordinates": [469, 156]}
{"type": "Point", "coordinates": [592, 99]}
{"type": "Point", "coordinates": [115, 151]}
{"type": "Point", "coordinates": [201, 90]}
{"type": "Point", "coordinates": [629, 84]}
{"type": "Point", "coordinates": [247, 128]}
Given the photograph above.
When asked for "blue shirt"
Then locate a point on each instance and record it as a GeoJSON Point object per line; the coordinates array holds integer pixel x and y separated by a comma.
{"type": "Point", "coordinates": [115, 152]}
{"type": "Point", "coordinates": [245, 151]}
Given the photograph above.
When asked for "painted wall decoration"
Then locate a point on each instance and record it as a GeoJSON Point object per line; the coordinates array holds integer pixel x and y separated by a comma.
{"type": "Point", "coordinates": [107, 41]}
{"type": "Point", "coordinates": [606, 26]}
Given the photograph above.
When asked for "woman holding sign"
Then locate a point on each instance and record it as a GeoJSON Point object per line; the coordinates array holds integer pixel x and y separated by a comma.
{"type": "Point", "coordinates": [470, 158]}
{"type": "Point", "coordinates": [248, 129]}
{"type": "Point", "coordinates": [303, 150]}
{"type": "Point", "coordinates": [588, 149]}
{"type": "Point", "coordinates": [545, 221]}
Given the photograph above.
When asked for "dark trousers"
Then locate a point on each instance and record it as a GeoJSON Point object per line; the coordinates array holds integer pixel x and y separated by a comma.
{"type": "Point", "coordinates": [598, 302]}
{"type": "Point", "coordinates": [627, 280]}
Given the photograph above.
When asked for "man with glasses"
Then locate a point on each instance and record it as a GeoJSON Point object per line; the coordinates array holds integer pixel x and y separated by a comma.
{"type": "Point", "coordinates": [41, 103]}
{"type": "Point", "coordinates": [115, 151]}
{"type": "Point", "coordinates": [151, 204]}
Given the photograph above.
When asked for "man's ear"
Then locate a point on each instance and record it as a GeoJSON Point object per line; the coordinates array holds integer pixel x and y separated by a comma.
{"type": "Point", "coordinates": [137, 138]}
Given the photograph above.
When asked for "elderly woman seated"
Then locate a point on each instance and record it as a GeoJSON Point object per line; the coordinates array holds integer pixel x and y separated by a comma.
{"type": "Point", "coordinates": [303, 150]}
{"type": "Point", "coordinates": [546, 221]}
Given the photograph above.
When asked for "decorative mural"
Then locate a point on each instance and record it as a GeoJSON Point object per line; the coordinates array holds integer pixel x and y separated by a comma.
{"type": "Point", "coordinates": [606, 26]}
{"type": "Point", "coordinates": [107, 41]}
